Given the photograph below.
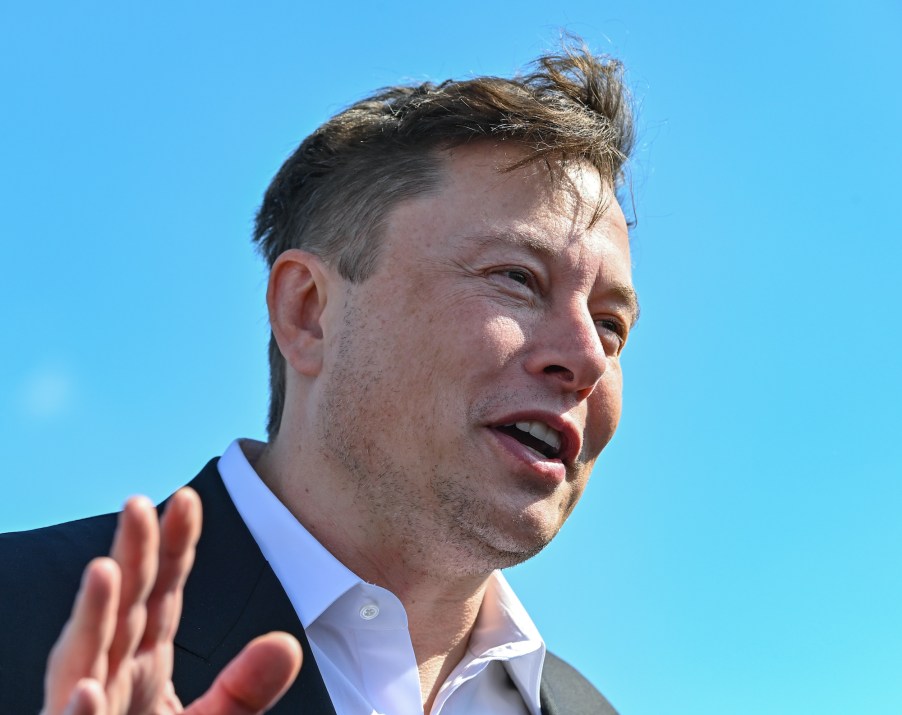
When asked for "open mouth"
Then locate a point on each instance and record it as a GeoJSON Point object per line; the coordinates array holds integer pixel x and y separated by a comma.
{"type": "Point", "coordinates": [537, 436]}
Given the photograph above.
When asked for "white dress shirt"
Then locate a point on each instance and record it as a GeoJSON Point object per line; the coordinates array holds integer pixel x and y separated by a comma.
{"type": "Point", "coordinates": [358, 632]}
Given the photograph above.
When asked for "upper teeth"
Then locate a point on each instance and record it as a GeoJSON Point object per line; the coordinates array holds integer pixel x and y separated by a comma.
{"type": "Point", "coordinates": [541, 431]}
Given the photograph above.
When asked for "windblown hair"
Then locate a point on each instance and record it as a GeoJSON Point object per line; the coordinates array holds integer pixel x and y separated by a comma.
{"type": "Point", "coordinates": [334, 193]}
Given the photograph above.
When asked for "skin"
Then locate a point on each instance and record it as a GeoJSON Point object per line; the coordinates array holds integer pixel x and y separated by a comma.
{"type": "Point", "coordinates": [114, 655]}
{"type": "Point", "coordinates": [495, 299]}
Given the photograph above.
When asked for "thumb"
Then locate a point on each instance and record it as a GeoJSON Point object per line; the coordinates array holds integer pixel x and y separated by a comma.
{"type": "Point", "coordinates": [255, 679]}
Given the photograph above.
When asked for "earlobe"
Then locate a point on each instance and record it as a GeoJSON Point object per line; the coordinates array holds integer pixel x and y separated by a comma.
{"type": "Point", "coordinates": [296, 297]}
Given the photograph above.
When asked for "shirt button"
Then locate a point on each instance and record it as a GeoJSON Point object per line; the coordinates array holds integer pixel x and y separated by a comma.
{"type": "Point", "coordinates": [369, 612]}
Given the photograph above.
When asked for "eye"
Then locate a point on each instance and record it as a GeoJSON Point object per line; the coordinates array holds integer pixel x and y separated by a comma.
{"type": "Point", "coordinates": [613, 335]}
{"type": "Point", "coordinates": [518, 275]}
{"type": "Point", "coordinates": [516, 278]}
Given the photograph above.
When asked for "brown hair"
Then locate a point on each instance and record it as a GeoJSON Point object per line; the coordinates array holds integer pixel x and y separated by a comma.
{"type": "Point", "coordinates": [334, 192]}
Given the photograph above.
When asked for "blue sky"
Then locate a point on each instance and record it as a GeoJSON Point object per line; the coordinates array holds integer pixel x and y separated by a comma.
{"type": "Point", "coordinates": [738, 548]}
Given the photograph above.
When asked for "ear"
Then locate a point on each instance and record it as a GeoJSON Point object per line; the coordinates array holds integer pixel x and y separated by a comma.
{"type": "Point", "coordinates": [296, 297]}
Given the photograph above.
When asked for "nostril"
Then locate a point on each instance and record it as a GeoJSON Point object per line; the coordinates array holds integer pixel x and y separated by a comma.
{"type": "Point", "coordinates": [560, 371]}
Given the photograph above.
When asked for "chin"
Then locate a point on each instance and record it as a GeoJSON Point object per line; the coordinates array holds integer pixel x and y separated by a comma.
{"type": "Point", "coordinates": [484, 532]}
{"type": "Point", "coordinates": [491, 548]}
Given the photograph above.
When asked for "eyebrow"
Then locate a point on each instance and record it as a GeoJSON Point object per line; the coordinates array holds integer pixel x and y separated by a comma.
{"type": "Point", "coordinates": [622, 293]}
{"type": "Point", "coordinates": [627, 295]}
{"type": "Point", "coordinates": [534, 242]}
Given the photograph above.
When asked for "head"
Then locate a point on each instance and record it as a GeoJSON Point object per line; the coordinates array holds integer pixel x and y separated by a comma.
{"type": "Point", "coordinates": [334, 195]}
{"type": "Point", "coordinates": [459, 396]}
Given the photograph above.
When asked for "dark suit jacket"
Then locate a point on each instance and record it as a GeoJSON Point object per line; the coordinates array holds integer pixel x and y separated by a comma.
{"type": "Point", "coordinates": [231, 597]}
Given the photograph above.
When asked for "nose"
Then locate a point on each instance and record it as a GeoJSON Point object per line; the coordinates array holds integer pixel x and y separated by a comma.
{"type": "Point", "coordinates": [568, 351]}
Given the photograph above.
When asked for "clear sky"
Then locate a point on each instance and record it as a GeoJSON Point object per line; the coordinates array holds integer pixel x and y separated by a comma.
{"type": "Point", "coordinates": [738, 550]}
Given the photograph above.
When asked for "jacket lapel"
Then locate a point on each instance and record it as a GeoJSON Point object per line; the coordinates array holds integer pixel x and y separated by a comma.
{"type": "Point", "coordinates": [231, 597]}
{"type": "Point", "coordinates": [564, 691]}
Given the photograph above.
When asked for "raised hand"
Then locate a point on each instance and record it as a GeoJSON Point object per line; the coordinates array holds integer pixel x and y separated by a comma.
{"type": "Point", "coordinates": [115, 654]}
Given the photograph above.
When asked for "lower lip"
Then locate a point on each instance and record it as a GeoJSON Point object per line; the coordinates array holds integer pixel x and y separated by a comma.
{"type": "Point", "coordinates": [551, 472]}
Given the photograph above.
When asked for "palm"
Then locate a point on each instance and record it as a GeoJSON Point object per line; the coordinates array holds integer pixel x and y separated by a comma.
{"type": "Point", "coordinates": [115, 654]}
{"type": "Point", "coordinates": [143, 684]}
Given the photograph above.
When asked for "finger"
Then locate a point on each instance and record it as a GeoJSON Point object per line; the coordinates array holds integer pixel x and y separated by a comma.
{"type": "Point", "coordinates": [81, 651]}
{"type": "Point", "coordinates": [256, 678]}
{"type": "Point", "coordinates": [87, 698]}
{"type": "Point", "coordinates": [179, 532]}
{"type": "Point", "coordinates": [135, 549]}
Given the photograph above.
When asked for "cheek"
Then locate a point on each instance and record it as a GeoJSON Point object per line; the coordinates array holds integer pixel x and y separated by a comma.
{"type": "Point", "coordinates": [503, 336]}
{"type": "Point", "coordinates": [603, 416]}
{"type": "Point", "coordinates": [469, 359]}
{"type": "Point", "coordinates": [472, 338]}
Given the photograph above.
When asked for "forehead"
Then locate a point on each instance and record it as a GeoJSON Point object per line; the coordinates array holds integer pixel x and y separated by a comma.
{"type": "Point", "coordinates": [559, 212]}
{"type": "Point", "coordinates": [480, 175]}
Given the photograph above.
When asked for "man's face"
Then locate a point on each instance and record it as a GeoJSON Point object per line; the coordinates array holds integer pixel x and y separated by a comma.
{"type": "Point", "coordinates": [475, 375]}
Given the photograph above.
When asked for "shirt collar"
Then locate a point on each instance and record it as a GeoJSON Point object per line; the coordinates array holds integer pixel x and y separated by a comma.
{"type": "Point", "coordinates": [284, 541]}
{"type": "Point", "coordinates": [505, 631]}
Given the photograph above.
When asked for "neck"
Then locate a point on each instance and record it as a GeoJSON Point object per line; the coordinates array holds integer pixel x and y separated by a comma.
{"type": "Point", "coordinates": [440, 623]}
{"type": "Point", "coordinates": [441, 603]}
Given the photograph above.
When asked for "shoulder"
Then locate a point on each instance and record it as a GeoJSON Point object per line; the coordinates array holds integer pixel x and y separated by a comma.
{"type": "Point", "coordinates": [566, 692]}
{"type": "Point", "coordinates": [40, 571]}
{"type": "Point", "coordinates": [28, 559]}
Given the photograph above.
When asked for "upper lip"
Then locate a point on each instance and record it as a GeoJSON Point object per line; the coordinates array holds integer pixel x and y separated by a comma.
{"type": "Point", "coordinates": [571, 436]}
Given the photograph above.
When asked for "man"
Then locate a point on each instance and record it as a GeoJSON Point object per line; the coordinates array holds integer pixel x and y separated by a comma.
{"type": "Point", "coordinates": [449, 297]}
